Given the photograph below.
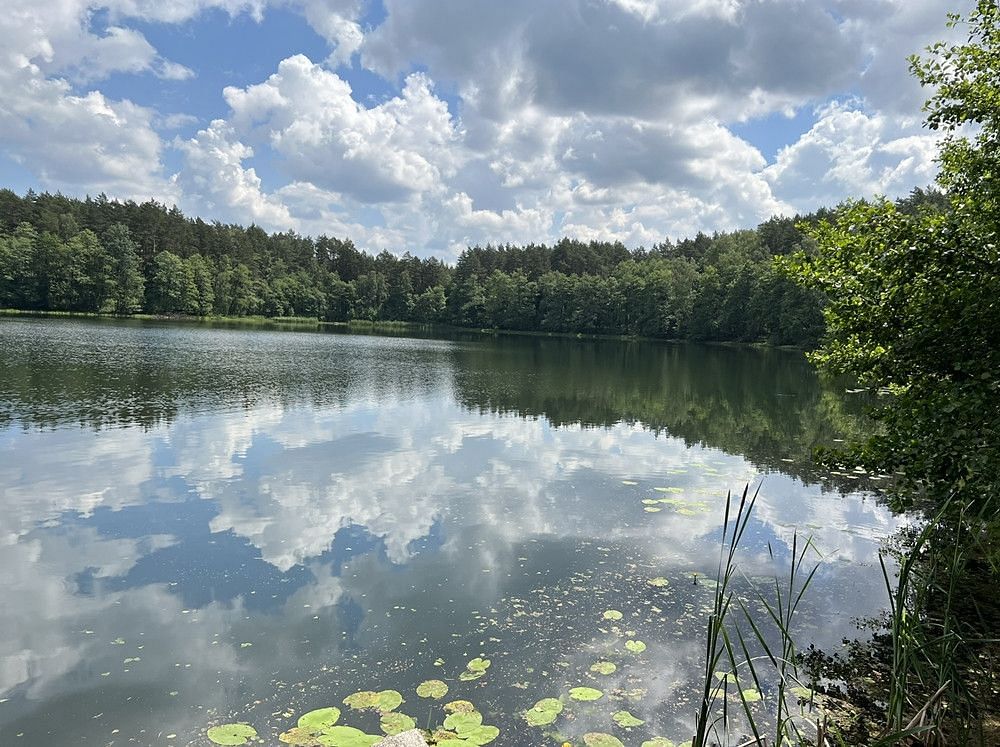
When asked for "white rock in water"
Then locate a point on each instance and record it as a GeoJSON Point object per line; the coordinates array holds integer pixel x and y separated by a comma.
{"type": "Point", "coordinates": [411, 738]}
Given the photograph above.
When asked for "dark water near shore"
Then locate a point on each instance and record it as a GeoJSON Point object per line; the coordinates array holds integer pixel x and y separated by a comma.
{"type": "Point", "coordinates": [201, 525]}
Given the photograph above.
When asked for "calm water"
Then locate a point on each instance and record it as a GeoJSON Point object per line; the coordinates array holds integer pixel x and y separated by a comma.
{"type": "Point", "coordinates": [201, 525]}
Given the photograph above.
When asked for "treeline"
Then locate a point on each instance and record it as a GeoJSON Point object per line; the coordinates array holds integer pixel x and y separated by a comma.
{"type": "Point", "coordinates": [106, 256]}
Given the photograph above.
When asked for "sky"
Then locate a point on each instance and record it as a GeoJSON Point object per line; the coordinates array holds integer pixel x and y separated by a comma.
{"type": "Point", "coordinates": [430, 125]}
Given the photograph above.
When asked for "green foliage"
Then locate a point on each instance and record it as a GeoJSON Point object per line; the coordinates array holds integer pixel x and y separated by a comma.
{"type": "Point", "coordinates": [912, 297]}
{"type": "Point", "coordinates": [153, 259]}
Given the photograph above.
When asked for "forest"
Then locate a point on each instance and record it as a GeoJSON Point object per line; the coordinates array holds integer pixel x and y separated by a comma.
{"type": "Point", "coordinates": [99, 255]}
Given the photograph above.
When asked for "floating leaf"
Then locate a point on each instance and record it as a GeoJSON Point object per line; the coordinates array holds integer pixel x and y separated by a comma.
{"type": "Point", "coordinates": [478, 665]}
{"type": "Point", "coordinates": [669, 490]}
{"type": "Point", "coordinates": [231, 734]}
{"type": "Point", "coordinates": [612, 615]}
{"type": "Point", "coordinates": [362, 700]}
{"type": "Point", "coordinates": [480, 735]}
{"type": "Point", "coordinates": [752, 695]}
{"type": "Point", "coordinates": [658, 582]}
{"type": "Point", "coordinates": [658, 742]}
{"type": "Point", "coordinates": [299, 737]}
{"type": "Point", "coordinates": [598, 739]}
{"type": "Point", "coordinates": [626, 720]}
{"type": "Point", "coordinates": [543, 712]}
{"type": "Point", "coordinates": [461, 722]}
{"type": "Point", "coordinates": [320, 719]}
{"type": "Point", "coordinates": [636, 647]}
{"type": "Point", "coordinates": [585, 694]}
{"type": "Point", "coordinates": [388, 700]}
{"type": "Point", "coordinates": [394, 723]}
{"type": "Point", "coordinates": [432, 689]}
{"type": "Point", "coordinates": [459, 706]}
{"type": "Point", "coordinates": [629, 482]}
{"type": "Point", "coordinates": [726, 677]}
{"type": "Point", "coordinates": [468, 676]}
{"type": "Point", "coordinates": [652, 509]}
{"type": "Point", "coordinates": [802, 693]}
{"type": "Point", "coordinates": [603, 667]}
{"type": "Point", "coordinates": [347, 736]}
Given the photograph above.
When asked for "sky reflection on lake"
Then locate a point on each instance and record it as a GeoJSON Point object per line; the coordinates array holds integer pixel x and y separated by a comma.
{"type": "Point", "coordinates": [204, 523]}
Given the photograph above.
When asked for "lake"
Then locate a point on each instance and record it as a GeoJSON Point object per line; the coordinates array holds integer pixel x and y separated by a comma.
{"type": "Point", "coordinates": [202, 524]}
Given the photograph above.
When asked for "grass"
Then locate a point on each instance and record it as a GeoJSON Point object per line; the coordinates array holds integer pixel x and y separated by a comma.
{"type": "Point", "coordinates": [926, 674]}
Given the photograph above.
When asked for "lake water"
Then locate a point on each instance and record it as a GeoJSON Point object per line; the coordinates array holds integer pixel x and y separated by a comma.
{"type": "Point", "coordinates": [203, 524]}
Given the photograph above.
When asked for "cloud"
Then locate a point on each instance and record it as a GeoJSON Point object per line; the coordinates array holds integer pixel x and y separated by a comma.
{"type": "Point", "coordinates": [852, 152]}
{"type": "Point", "coordinates": [517, 121]}
{"type": "Point", "coordinates": [214, 179]}
{"type": "Point", "coordinates": [385, 153]}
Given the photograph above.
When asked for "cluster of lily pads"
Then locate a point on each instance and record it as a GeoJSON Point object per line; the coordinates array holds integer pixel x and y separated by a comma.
{"type": "Point", "coordinates": [462, 727]}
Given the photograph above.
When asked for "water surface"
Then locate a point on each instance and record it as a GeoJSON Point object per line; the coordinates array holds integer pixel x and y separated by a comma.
{"type": "Point", "coordinates": [206, 524]}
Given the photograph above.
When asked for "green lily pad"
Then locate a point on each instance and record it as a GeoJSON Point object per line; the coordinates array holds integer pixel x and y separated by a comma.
{"type": "Point", "coordinates": [802, 693]}
{"type": "Point", "coordinates": [626, 720]}
{"type": "Point", "coordinates": [752, 695]}
{"type": "Point", "coordinates": [480, 735]}
{"type": "Point", "coordinates": [347, 736]}
{"type": "Point", "coordinates": [388, 700]}
{"type": "Point", "coordinates": [629, 482]}
{"type": "Point", "coordinates": [652, 509]}
{"type": "Point", "coordinates": [603, 667]}
{"type": "Point", "coordinates": [658, 742]}
{"type": "Point", "coordinates": [320, 719]}
{"type": "Point", "coordinates": [462, 722]}
{"type": "Point", "coordinates": [432, 689]}
{"type": "Point", "coordinates": [658, 582]}
{"type": "Point", "coordinates": [299, 737]}
{"type": "Point", "coordinates": [636, 647]}
{"type": "Point", "coordinates": [459, 706]}
{"type": "Point", "coordinates": [468, 675]}
{"type": "Point", "coordinates": [231, 734]}
{"type": "Point", "coordinates": [612, 615]}
{"type": "Point", "coordinates": [544, 712]}
{"type": "Point", "coordinates": [361, 701]}
{"type": "Point", "coordinates": [726, 677]}
{"type": "Point", "coordinates": [394, 723]}
{"type": "Point", "coordinates": [669, 490]}
{"type": "Point", "coordinates": [599, 739]}
{"type": "Point", "coordinates": [478, 665]}
{"type": "Point", "coordinates": [585, 694]}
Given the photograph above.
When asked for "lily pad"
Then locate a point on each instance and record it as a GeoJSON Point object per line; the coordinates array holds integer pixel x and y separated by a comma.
{"type": "Point", "coordinates": [603, 667]}
{"type": "Point", "coordinates": [394, 723]}
{"type": "Point", "coordinates": [347, 736]}
{"type": "Point", "coordinates": [478, 665]}
{"type": "Point", "coordinates": [585, 694]}
{"type": "Point", "coordinates": [231, 734]}
{"type": "Point", "coordinates": [320, 719]}
{"type": "Point", "coordinates": [658, 582]}
{"type": "Point", "coordinates": [636, 647]}
{"type": "Point", "coordinates": [652, 509]}
{"type": "Point", "coordinates": [544, 712]}
{"type": "Point", "coordinates": [599, 739]}
{"type": "Point", "coordinates": [752, 695]}
{"type": "Point", "coordinates": [388, 700]}
{"type": "Point", "coordinates": [480, 735]}
{"type": "Point", "coordinates": [459, 706]}
{"type": "Point", "coordinates": [299, 737]}
{"type": "Point", "coordinates": [726, 677]}
{"type": "Point", "coordinates": [469, 675]}
{"type": "Point", "coordinates": [626, 720]}
{"type": "Point", "coordinates": [362, 700]}
{"type": "Point", "coordinates": [432, 689]}
{"type": "Point", "coordinates": [612, 615]}
{"type": "Point", "coordinates": [658, 742]}
{"type": "Point", "coordinates": [462, 722]}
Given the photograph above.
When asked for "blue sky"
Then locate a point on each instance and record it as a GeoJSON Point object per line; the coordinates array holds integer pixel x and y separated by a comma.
{"type": "Point", "coordinates": [428, 125]}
